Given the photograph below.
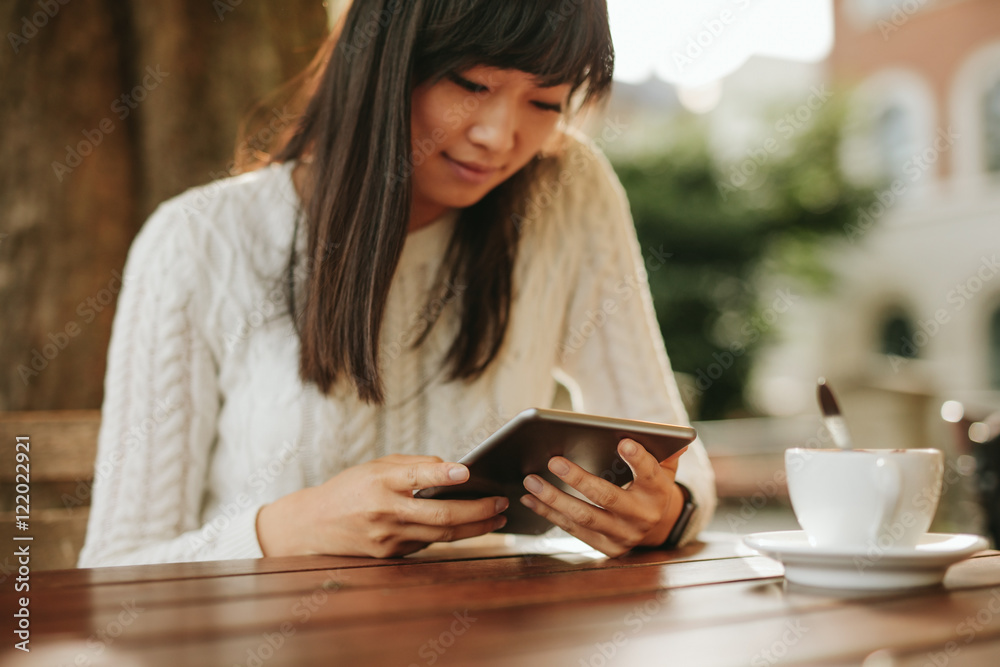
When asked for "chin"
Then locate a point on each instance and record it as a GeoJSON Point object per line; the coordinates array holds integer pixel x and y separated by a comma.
{"type": "Point", "coordinates": [465, 199]}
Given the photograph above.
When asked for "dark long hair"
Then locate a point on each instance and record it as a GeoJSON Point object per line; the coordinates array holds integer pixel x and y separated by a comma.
{"type": "Point", "coordinates": [355, 136]}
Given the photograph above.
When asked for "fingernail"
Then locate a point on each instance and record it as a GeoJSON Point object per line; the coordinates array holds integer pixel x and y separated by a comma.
{"type": "Point", "coordinates": [533, 484]}
{"type": "Point", "coordinates": [528, 502]}
{"type": "Point", "coordinates": [629, 447]}
{"type": "Point", "coordinates": [501, 522]}
{"type": "Point", "coordinates": [457, 473]}
{"type": "Point", "coordinates": [502, 504]}
{"type": "Point", "coordinates": [558, 466]}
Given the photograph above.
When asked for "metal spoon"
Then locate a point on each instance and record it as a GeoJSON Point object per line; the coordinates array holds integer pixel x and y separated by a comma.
{"type": "Point", "coordinates": [832, 418]}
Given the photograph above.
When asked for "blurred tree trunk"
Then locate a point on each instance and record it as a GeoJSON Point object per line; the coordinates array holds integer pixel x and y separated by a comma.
{"type": "Point", "coordinates": [108, 108]}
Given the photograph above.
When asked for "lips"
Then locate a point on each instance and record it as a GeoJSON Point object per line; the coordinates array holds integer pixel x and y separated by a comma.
{"type": "Point", "coordinates": [472, 173]}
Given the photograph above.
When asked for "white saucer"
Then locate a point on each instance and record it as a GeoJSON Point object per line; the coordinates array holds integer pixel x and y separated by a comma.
{"type": "Point", "coordinates": [869, 568]}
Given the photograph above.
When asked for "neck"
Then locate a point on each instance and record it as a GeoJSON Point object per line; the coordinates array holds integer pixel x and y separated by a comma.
{"type": "Point", "coordinates": [422, 214]}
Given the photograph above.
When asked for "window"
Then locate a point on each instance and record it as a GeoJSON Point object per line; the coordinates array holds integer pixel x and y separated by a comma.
{"type": "Point", "coordinates": [866, 12]}
{"type": "Point", "coordinates": [995, 349]}
{"type": "Point", "coordinates": [897, 336]}
{"type": "Point", "coordinates": [991, 126]}
{"type": "Point", "coordinates": [975, 107]}
{"type": "Point", "coordinates": [879, 8]}
{"type": "Point", "coordinates": [891, 122]}
{"type": "Point", "coordinates": [892, 132]}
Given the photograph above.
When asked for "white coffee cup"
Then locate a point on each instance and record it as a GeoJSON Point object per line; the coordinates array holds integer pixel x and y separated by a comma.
{"type": "Point", "coordinates": [864, 498]}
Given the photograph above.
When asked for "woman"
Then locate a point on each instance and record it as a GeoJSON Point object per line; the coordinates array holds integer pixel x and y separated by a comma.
{"type": "Point", "coordinates": [447, 250]}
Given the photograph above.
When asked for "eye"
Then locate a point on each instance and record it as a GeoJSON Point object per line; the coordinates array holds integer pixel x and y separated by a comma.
{"type": "Point", "coordinates": [470, 86]}
{"type": "Point", "coordinates": [545, 106]}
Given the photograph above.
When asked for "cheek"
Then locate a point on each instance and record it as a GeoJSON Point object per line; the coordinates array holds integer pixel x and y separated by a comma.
{"type": "Point", "coordinates": [534, 137]}
{"type": "Point", "coordinates": [433, 119]}
{"type": "Point", "coordinates": [541, 131]}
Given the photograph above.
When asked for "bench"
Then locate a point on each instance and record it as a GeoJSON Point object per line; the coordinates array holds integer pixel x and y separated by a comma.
{"type": "Point", "coordinates": [61, 452]}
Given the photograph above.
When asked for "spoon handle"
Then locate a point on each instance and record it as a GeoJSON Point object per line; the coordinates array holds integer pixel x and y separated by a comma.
{"type": "Point", "coordinates": [832, 418]}
{"type": "Point", "coordinates": [838, 429]}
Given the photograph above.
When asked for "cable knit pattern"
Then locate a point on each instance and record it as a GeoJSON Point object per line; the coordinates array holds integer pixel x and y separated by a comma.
{"type": "Point", "coordinates": [205, 419]}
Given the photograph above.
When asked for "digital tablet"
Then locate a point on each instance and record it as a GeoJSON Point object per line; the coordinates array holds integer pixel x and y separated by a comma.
{"type": "Point", "coordinates": [524, 445]}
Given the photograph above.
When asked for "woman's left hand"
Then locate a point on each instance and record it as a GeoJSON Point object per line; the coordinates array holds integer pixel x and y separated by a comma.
{"type": "Point", "coordinates": [643, 513]}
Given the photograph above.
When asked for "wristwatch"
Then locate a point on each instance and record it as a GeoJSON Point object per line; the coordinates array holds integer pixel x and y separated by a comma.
{"type": "Point", "coordinates": [682, 520]}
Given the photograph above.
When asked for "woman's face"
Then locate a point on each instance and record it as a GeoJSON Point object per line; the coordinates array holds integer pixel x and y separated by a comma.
{"type": "Point", "coordinates": [471, 131]}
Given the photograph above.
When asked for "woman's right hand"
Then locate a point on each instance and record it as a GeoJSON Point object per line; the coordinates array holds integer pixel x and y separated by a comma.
{"type": "Point", "coordinates": [369, 510]}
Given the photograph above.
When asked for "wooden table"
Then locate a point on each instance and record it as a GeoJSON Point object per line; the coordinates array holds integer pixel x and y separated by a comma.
{"type": "Point", "coordinates": [490, 601]}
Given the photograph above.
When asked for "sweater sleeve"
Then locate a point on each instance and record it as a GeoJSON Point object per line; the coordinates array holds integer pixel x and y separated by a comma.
{"type": "Point", "coordinates": [158, 418]}
{"type": "Point", "coordinates": [612, 354]}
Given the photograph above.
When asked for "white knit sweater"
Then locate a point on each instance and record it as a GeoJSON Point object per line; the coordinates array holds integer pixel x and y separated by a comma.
{"type": "Point", "coordinates": [205, 418]}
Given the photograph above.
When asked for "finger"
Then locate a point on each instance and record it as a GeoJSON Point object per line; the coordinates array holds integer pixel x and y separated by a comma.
{"type": "Point", "coordinates": [645, 468]}
{"type": "Point", "coordinates": [670, 467]}
{"type": "Point", "coordinates": [413, 476]}
{"type": "Point", "coordinates": [581, 513]}
{"type": "Point", "coordinates": [434, 512]}
{"type": "Point", "coordinates": [673, 460]}
{"type": "Point", "coordinates": [601, 542]}
{"type": "Point", "coordinates": [596, 489]}
{"type": "Point", "coordinates": [407, 548]}
{"type": "Point", "coordinates": [426, 533]}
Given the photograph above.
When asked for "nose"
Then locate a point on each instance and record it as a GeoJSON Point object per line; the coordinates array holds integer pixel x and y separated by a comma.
{"type": "Point", "coordinates": [494, 128]}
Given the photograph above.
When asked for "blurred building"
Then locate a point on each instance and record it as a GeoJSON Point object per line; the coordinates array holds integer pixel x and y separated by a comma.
{"type": "Point", "coordinates": [915, 317]}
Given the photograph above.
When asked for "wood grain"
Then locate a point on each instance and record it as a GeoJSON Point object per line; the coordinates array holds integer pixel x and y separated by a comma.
{"type": "Point", "coordinates": [493, 546]}
{"type": "Point", "coordinates": [710, 604]}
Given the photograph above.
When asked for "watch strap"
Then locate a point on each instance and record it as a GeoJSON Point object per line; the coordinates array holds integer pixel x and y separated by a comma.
{"type": "Point", "coordinates": [674, 538]}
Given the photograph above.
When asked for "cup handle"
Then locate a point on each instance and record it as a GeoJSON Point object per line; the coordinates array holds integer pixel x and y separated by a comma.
{"type": "Point", "coordinates": [889, 480]}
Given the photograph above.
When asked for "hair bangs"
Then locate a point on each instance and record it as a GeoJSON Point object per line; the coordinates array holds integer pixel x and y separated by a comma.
{"type": "Point", "coordinates": [557, 41]}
